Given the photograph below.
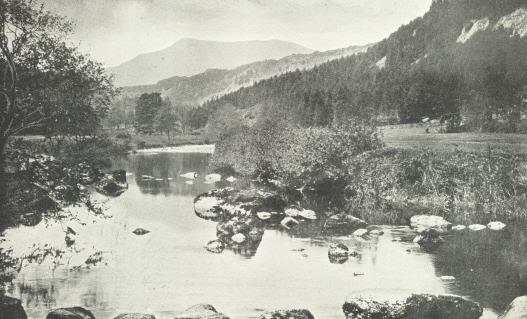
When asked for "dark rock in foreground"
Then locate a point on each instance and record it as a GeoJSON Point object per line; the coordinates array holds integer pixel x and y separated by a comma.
{"type": "Point", "coordinates": [201, 311]}
{"type": "Point", "coordinates": [70, 313]}
{"type": "Point", "coordinates": [288, 314]}
{"type": "Point", "coordinates": [338, 253]}
{"type": "Point", "coordinates": [367, 308]}
{"type": "Point", "coordinates": [344, 224]}
{"type": "Point", "coordinates": [135, 316]}
{"type": "Point", "coordinates": [11, 308]}
{"type": "Point", "coordinates": [424, 306]}
{"type": "Point", "coordinates": [417, 306]}
{"type": "Point", "coordinates": [516, 310]}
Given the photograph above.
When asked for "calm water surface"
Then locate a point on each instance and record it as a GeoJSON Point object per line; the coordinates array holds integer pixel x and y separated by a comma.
{"type": "Point", "coordinates": [169, 270]}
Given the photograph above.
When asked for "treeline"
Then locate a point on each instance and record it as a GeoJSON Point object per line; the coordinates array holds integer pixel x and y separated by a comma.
{"type": "Point", "coordinates": [420, 71]}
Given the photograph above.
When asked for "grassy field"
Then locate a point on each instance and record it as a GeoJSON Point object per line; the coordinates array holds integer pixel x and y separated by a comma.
{"type": "Point", "coordinates": [415, 136]}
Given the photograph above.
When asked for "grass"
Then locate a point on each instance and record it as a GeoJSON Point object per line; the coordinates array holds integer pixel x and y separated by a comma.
{"type": "Point", "coordinates": [414, 136]}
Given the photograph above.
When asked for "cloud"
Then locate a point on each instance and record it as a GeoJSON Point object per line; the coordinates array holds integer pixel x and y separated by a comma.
{"type": "Point", "coordinates": [113, 31]}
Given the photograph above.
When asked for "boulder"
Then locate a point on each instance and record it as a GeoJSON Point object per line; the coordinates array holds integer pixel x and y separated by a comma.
{"type": "Point", "coordinates": [459, 227]}
{"type": "Point", "coordinates": [424, 222]}
{"type": "Point", "coordinates": [215, 246]}
{"type": "Point", "coordinates": [70, 313]}
{"type": "Point", "coordinates": [447, 278]}
{"type": "Point", "coordinates": [367, 308]}
{"type": "Point", "coordinates": [212, 178]}
{"type": "Point", "coordinates": [307, 214]}
{"type": "Point", "coordinates": [288, 314]}
{"type": "Point", "coordinates": [11, 308]}
{"type": "Point", "coordinates": [338, 253]}
{"type": "Point", "coordinates": [231, 179]}
{"type": "Point", "coordinates": [264, 215]}
{"type": "Point", "coordinates": [496, 225]}
{"type": "Point", "coordinates": [360, 232]}
{"type": "Point", "coordinates": [189, 175]}
{"type": "Point", "coordinates": [208, 207]}
{"type": "Point", "coordinates": [517, 309]}
{"type": "Point", "coordinates": [425, 306]}
{"type": "Point", "coordinates": [476, 227]}
{"type": "Point", "coordinates": [343, 223]}
{"type": "Point", "coordinates": [134, 316]}
{"type": "Point", "coordinates": [110, 187]}
{"type": "Point", "coordinates": [238, 238]}
{"type": "Point", "coordinates": [201, 311]}
{"type": "Point", "coordinates": [292, 212]}
{"type": "Point", "coordinates": [429, 239]}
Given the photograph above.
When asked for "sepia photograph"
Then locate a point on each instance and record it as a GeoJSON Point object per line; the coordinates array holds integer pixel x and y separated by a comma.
{"type": "Point", "coordinates": [263, 159]}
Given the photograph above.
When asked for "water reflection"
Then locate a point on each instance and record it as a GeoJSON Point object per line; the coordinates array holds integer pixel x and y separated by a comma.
{"type": "Point", "coordinates": [168, 269]}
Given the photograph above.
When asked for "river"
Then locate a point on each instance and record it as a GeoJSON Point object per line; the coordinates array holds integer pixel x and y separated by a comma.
{"type": "Point", "coordinates": [168, 269]}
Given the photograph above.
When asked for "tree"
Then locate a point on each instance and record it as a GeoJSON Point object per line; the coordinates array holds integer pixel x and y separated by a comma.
{"type": "Point", "coordinates": [44, 82]}
{"type": "Point", "coordinates": [166, 119]}
{"type": "Point", "coordinates": [146, 108]}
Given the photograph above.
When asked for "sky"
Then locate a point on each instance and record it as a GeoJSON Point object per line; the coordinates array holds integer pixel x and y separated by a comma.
{"type": "Point", "coordinates": [114, 31]}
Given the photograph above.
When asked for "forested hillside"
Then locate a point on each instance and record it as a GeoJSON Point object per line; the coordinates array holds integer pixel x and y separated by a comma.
{"type": "Point", "coordinates": [465, 62]}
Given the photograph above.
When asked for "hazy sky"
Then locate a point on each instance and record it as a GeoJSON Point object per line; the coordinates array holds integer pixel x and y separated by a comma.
{"type": "Point", "coordinates": [113, 31]}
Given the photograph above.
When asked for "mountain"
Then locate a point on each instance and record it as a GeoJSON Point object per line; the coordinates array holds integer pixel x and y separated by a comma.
{"type": "Point", "coordinates": [464, 62]}
{"type": "Point", "coordinates": [188, 57]}
{"type": "Point", "coordinates": [212, 83]}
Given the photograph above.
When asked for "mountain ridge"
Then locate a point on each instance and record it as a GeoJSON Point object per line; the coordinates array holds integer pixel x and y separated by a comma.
{"type": "Point", "coordinates": [187, 57]}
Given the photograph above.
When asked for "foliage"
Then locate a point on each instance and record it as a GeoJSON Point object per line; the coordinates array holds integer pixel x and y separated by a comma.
{"type": "Point", "coordinates": [147, 106]}
{"type": "Point", "coordinates": [305, 156]}
{"type": "Point", "coordinates": [420, 71]}
{"type": "Point", "coordinates": [166, 119]}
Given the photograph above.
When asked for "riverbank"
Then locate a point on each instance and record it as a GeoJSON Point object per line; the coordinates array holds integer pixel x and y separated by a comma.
{"type": "Point", "coordinates": [355, 172]}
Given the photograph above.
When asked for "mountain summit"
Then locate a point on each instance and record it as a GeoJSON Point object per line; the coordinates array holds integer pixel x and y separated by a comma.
{"type": "Point", "coordinates": [188, 57]}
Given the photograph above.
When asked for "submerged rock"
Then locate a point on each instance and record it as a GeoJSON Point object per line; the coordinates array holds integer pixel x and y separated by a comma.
{"type": "Point", "coordinates": [424, 222]}
{"type": "Point", "coordinates": [343, 223]}
{"type": "Point", "coordinates": [288, 314]}
{"type": "Point", "coordinates": [517, 309]}
{"type": "Point", "coordinates": [289, 222]}
{"type": "Point", "coordinates": [110, 187]}
{"type": "Point", "coordinates": [496, 225]}
{"type": "Point", "coordinates": [201, 311]}
{"type": "Point", "coordinates": [215, 246]}
{"type": "Point", "coordinates": [140, 231]}
{"type": "Point", "coordinates": [477, 227]}
{"type": "Point", "coordinates": [134, 316]}
{"type": "Point", "coordinates": [338, 253]}
{"type": "Point", "coordinates": [11, 308]}
{"type": "Point", "coordinates": [70, 313]}
{"type": "Point", "coordinates": [425, 306]}
{"type": "Point", "coordinates": [429, 239]}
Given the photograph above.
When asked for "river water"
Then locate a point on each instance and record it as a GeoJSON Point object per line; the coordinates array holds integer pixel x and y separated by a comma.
{"type": "Point", "coordinates": [168, 269]}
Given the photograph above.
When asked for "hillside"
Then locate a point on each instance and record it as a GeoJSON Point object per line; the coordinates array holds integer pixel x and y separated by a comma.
{"type": "Point", "coordinates": [464, 61]}
{"type": "Point", "coordinates": [188, 57]}
{"type": "Point", "coordinates": [197, 89]}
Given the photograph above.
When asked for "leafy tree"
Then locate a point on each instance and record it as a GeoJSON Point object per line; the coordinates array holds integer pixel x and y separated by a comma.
{"type": "Point", "coordinates": [46, 84]}
{"type": "Point", "coordinates": [167, 120]}
{"type": "Point", "coordinates": [147, 106]}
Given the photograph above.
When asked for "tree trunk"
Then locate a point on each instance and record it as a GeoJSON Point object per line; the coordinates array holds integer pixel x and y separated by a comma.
{"type": "Point", "coordinates": [3, 181]}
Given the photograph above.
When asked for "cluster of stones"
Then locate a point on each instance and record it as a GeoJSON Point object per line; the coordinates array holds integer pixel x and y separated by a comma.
{"type": "Point", "coordinates": [417, 306]}
{"type": "Point", "coordinates": [243, 215]}
{"type": "Point", "coordinates": [11, 308]}
{"type": "Point", "coordinates": [430, 229]}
